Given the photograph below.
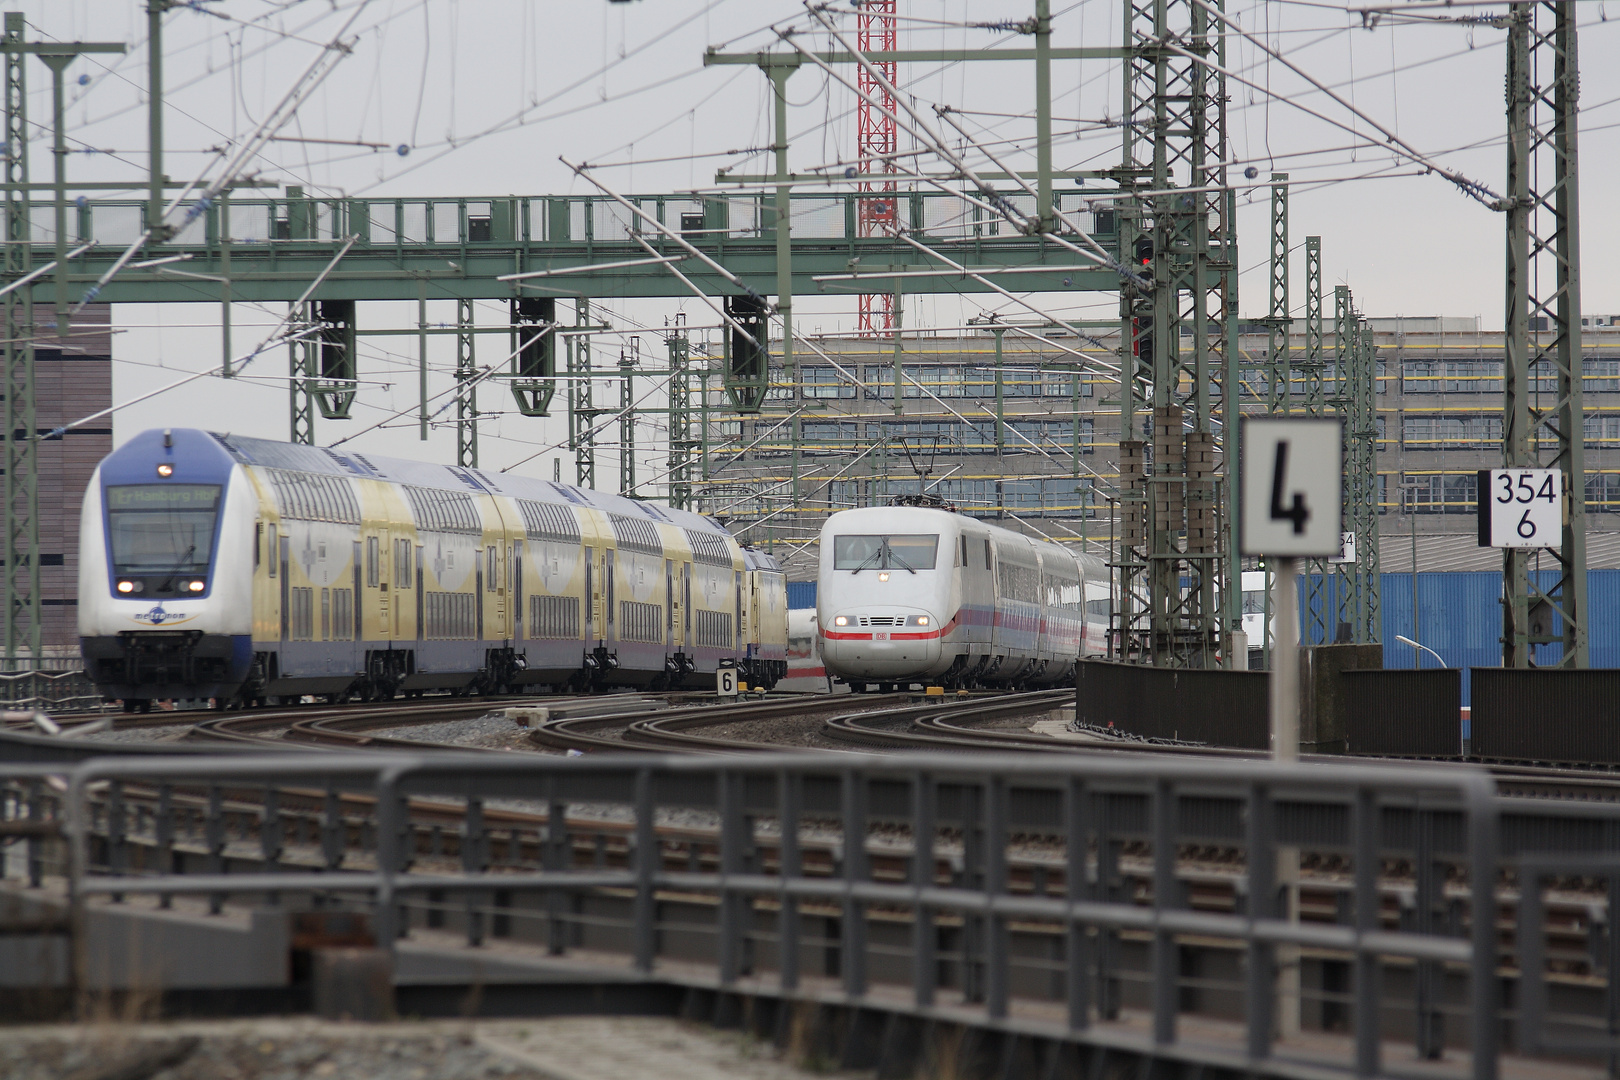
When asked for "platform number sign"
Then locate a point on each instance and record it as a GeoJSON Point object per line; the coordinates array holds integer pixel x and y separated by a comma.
{"type": "Point", "coordinates": [1292, 487]}
{"type": "Point", "coordinates": [725, 681]}
{"type": "Point", "coordinates": [1521, 508]}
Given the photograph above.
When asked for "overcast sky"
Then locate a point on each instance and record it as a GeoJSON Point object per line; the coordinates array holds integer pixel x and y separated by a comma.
{"type": "Point", "coordinates": [484, 95]}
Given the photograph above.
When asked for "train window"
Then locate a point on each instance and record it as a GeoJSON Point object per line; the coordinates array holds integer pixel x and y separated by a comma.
{"type": "Point", "coordinates": [258, 543]}
{"type": "Point", "coordinates": [987, 553]}
{"type": "Point", "coordinates": [162, 528]}
{"type": "Point", "coordinates": [490, 569]}
{"type": "Point", "coordinates": [270, 547]}
{"type": "Point", "coordinates": [402, 563]}
{"type": "Point", "coordinates": [372, 573]}
{"type": "Point", "coordinates": [963, 560]}
{"type": "Point", "coordinates": [902, 552]}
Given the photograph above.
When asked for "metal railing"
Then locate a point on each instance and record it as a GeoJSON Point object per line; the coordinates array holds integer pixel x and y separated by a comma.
{"type": "Point", "coordinates": [1095, 897]}
{"type": "Point", "coordinates": [50, 691]}
{"type": "Point", "coordinates": [507, 220]}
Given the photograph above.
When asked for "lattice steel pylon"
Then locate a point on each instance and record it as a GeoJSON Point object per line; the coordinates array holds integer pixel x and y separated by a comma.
{"type": "Point", "coordinates": [466, 388]}
{"type": "Point", "coordinates": [301, 353]}
{"type": "Point", "coordinates": [1357, 582]}
{"type": "Point", "coordinates": [1174, 135]}
{"type": "Point", "coordinates": [877, 140]}
{"type": "Point", "coordinates": [582, 412]}
{"type": "Point", "coordinates": [681, 443]}
{"type": "Point", "coordinates": [23, 621]}
{"type": "Point", "coordinates": [1542, 336]}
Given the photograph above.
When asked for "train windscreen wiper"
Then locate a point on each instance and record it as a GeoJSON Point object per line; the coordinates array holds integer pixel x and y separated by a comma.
{"type": "Point", "coordinates": [895, 556]}
{"type": "Point", "coordinates": [174, 571]}
{"type": "Point", "coordinates": [868, 560]}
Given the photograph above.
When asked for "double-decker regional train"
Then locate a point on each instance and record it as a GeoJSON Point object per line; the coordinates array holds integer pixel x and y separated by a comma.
{"type": "Point", "coordinates": [912, 594]}
{"type": "Point", "coordinates": [237, 569]}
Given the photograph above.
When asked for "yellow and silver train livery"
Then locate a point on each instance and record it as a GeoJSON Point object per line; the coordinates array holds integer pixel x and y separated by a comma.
{"type": "Point", "coordinates": [216, 566]}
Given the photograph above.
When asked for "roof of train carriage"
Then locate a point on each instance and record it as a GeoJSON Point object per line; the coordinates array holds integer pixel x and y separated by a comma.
{"type": "Point", "coordinates": [1097, 565]}
{"type": "Point", "coordinates": [754, 559]}
{"type": "Point", "coordinates": [325, 460]}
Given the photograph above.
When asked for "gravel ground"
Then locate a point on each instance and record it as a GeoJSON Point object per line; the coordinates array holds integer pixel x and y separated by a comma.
{"type": "Point", "coordinates": [255, 1050]}
{"type": "Point", "coordinates": [793, 732]}
{"type": "Point", "coordinates": [572, 1048]}
{"type": "Point", "coordinates": [490, 731]}
{"type": "Point", "coordinates": [163, 733]}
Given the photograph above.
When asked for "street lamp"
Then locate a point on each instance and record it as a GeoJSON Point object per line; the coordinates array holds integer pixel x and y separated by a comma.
{"type": "Point", "coordinates": [1419, 645]}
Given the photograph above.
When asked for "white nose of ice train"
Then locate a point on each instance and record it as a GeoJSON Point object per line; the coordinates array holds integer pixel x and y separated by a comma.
{"type": "Point", "coordinates": [881, 642]}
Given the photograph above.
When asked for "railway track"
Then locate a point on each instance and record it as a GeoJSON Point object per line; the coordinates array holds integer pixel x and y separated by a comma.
{"type": "Point", "coordinates": [681, 722]}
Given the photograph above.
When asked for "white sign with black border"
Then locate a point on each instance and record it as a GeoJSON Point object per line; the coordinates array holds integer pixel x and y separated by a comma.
{"type": "Point", "coordinates": [725, 680]}
{"type": "Point", "coordinates": [1347, 549]}
{"type": "Point", "coordinates": [1521, 508]}
{"type": "Point", "coordinates": [1292, 487]}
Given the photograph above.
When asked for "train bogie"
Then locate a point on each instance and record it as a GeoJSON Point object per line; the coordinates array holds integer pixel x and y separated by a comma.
{"type": "Point", "coordinates": [351, 576]}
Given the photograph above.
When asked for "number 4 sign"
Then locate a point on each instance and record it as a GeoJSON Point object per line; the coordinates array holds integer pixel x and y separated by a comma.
{"type": "Point", "coordinates": [1292, 484]}
{"type": "Point", "coordinates": [1521, 508]}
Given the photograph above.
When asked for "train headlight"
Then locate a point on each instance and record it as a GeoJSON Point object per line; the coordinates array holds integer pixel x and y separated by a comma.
{"type": "Point", "coordinates": [126, 586]}
{"type": "Point", "coordinates": [165, 470]}
{"type": "Point", "coordinates": [841, 620]}
{"type": "Point", "coordinates": [922, 620]}
{"type": "Point", "coordinates": [883, 576]}
{"type": "Point", "coordinates": [196, 586]}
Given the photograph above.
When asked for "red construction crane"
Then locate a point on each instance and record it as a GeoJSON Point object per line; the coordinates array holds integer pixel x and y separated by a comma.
{"type": "Point", "coordinates": [875, 146]}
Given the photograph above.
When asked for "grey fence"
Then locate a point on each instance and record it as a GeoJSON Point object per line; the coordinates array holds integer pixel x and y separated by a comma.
{"type": "Point", "coordinates": [1221, 708]}
{"type": "Point", "coordinates": [1402, 712]}
{"type": "Point", "coordinates": [1540, 714]}
{"type": "Point", "coordinates": [1068, 899]}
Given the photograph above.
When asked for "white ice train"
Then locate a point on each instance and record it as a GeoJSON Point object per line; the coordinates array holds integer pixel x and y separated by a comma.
{"type": "Point", "coordinates": [918, 595]}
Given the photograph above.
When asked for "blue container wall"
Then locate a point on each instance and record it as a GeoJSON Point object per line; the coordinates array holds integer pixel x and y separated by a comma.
{"type": "Point", "coordinates": [1459, 616]}
{"type": "Point", "coordinates": [801, 594]}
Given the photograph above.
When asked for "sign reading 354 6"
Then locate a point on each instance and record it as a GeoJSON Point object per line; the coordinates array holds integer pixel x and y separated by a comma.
{"type": "Point", "coordinates": [1521, 508]}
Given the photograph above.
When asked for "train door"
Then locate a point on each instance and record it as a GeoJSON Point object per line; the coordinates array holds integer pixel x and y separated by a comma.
{"type": "Point", "coordinates": [994, 590]}
{"type": "Point", "coordinates": [284, 545]}
{"type": "Point", "coordinates": [387, 613]}
{"type": "Point", "coordinates": [421, 594]}
{"type": "Point", "coordinates": [478, 590]}
{"type": "Point", "coordinates": [607, 595]}
{"type": "Point", "coordinates": [686, 602]}
{"type": "Point", "coordinates": [737, 608]}
{"type": "Point", "coordinates": [517, 590]}
{"type": "Point", "coordinates": [590, 596]}
{"type": "Point", "coordinates": [669, 601]}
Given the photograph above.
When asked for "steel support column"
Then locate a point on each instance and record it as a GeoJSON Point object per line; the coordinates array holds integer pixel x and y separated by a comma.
{"type": "Point", "coordinates": [1175, 137]}
{"type": "Point", "coordinates": [23, 628]}
{"type": "Point", "coordinates": [581, 411]}
{"type": "Point", "coordinates": [466, 388]}
{"type": "Point", "coordinates": [681, 443]}
{"type": "Point", "coordinates": [301, 353]}
{"type": "Point", "coordinates": [627, 419]}
{"type": "Point", "coordinates": [1543, 326]}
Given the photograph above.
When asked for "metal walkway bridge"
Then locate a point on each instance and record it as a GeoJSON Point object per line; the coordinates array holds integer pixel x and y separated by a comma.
{"type": "Point", "coordinates": [1048, 917]}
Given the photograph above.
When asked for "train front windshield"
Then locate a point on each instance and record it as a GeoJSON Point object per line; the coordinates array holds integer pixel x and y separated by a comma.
{"type": "Point", "coordinates": [899, 552]}
{"type": "Point", "coordinates": [161, 528]}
